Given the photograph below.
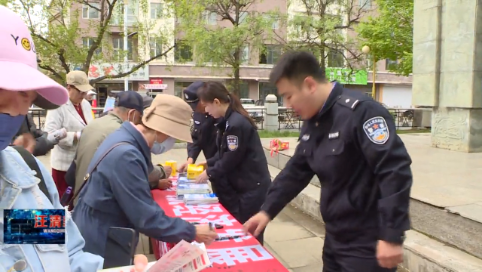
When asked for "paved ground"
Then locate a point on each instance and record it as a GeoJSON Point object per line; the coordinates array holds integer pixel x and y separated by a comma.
{"type": "Point", "coordinates": [293, 237]}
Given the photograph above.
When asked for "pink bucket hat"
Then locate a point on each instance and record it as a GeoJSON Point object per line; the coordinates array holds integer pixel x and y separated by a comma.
{"type": "Point", "coordinates": [18, 64]}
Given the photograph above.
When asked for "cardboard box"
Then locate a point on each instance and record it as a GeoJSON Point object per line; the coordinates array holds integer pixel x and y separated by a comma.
{"type": "Point", "coordinates": [173, 165]}
{"type": "Point", "coordinates": [193, 171]}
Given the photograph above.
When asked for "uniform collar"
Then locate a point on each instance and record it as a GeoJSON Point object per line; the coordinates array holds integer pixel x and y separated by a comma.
{"type": "Point", "coordinates": [332, 98]}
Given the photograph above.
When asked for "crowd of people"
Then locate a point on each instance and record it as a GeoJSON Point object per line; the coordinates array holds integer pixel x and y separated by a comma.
{"type": "Point", "coordinates": [348, 140]}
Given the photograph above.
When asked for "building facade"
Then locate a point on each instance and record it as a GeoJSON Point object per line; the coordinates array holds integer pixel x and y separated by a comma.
{"type": "Point", "coordinates": [171, 74]}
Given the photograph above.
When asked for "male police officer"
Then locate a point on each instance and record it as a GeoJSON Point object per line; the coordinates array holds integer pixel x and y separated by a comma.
{"type": "Point", "coordinates": [349, 141]}
{"type": "Point", "coordinates": [203, 131]}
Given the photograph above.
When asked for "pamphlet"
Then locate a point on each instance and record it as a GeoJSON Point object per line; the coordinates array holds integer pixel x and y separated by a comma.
{"type": "Point", "coordinates": [195, 199]}
{"type": "Point", "coordinates": [184, 257]}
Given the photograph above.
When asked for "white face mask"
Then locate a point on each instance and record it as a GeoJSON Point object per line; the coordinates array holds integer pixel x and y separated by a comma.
{"type": "Point", "coordinates": [133, 116]}
{"type": "Point", "coordinates": [159, 148]}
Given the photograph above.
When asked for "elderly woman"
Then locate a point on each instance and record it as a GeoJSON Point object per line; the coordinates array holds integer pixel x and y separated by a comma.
{"type": "Point", "coordinates": [71, 117]}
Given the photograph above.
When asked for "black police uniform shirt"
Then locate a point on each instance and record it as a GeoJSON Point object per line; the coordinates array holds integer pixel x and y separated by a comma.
{"type": "Point", "coordinates": [203, 133]}
{"type": "Point", "coordinates": [362, 164]}
{"type": "Point", "coordinates": [240, 159]}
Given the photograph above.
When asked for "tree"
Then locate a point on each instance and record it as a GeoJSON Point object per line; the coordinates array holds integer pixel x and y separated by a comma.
{"type": "Point", "coordinates": [243, 30]}
{"type": "Point", "coordinates": [322, 29]}
{"type": "Point", "coordinates": [390, 34]}
{"type": "Point", "coordinates": [63, 44]}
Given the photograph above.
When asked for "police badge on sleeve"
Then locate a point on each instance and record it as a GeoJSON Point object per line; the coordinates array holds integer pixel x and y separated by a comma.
{"type": "Point", "coordinates": [232, 142]}
{"type": "Point", "coordinates": [376, 129]}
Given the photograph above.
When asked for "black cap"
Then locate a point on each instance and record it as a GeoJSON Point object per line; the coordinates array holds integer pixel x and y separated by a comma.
{"type": "Point", "coordinates": [190, 94]}
{"type": "Point", "coordinates": [147, 101]}
{"type": "Point", "coordinates": [130, 100]}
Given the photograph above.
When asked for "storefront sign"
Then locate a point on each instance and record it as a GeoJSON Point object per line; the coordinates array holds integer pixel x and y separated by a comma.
{"type": "Point", "coordinates": [347, 76]}
{"type": "Point", "coordinates": [105, 69]}
{"type": "Point", "coordinates": [155, 81]}
{"type": "Point", "coordinates": [155, 86]}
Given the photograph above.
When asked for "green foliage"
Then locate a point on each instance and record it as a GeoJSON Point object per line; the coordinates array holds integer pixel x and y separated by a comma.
{"type": "Point", "coordinates": [321, 29]}
{"type": "Point", "coordinates": [390, 34]}
{"type": "Point", "coordinates": [63, 43]}
{"type": "Point", "coordinates": [221, 32]}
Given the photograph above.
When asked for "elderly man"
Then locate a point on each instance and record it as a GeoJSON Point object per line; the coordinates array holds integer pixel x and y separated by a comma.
{"type": "Point", "coordinates": [116, 194]}
{"type": "Point", "coordinates": [129, 106]}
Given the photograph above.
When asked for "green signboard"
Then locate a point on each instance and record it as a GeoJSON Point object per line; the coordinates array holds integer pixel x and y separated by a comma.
{"type": "Point", "coordinates": [347, 76]}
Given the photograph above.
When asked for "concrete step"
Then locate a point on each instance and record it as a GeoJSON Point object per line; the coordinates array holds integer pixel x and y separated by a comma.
{"type": "Point", "coordinates": [422, 253]}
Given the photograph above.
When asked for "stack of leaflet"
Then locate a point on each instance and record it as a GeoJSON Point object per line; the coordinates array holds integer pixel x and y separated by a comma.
{"type": "Point", "coordinates": [191, 188]}
{"type": "Point", "coordinates": [195, 199]}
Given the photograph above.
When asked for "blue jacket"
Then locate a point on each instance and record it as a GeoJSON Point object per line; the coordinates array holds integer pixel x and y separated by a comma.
{"type": "Point", "coordinates": [19, 190]}
{"type": "Point", "coordinates": [118, 195]}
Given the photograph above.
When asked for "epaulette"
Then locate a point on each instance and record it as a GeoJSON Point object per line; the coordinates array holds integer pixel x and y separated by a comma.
{"type": "Point", "coordinates": [348, 101]}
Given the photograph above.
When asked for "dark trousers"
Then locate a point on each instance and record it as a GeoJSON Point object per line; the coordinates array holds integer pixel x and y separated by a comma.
{"type": "Point", "coordinates": [353, 256]}
{"type": "Point", "coordinates": [242, 206]}
{"type": "Point", "coordinates": [59, 179]}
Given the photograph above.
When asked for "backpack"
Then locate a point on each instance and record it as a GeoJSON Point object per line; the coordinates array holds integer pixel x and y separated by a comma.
{"type": "Point", "coordinates": [32, 163]}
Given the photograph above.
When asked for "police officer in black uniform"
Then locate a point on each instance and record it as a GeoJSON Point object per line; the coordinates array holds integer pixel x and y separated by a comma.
{"type": "Point", "coordinates": [240, 166]}
{"type": "Point", "coordinates": [350, 142]}
{"type": "Point", "coordinates": [203, 130]}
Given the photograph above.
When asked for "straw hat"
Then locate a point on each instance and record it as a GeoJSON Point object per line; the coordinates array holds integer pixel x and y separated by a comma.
{"type": "Point", "coordinates": [169, 115]}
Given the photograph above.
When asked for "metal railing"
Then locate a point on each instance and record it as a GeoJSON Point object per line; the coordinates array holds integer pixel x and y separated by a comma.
{"type": "Point", "coordinates": [287, 119]}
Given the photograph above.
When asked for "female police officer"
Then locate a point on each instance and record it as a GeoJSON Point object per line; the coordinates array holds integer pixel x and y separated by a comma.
{"type": "Point", "coordinates": [239, 168]}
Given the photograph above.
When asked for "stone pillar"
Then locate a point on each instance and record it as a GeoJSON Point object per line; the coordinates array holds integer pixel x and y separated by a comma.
{"type": "Point", "coordinates": [271, 119]}
{"type": "Point", "coordinates": [447, 70]}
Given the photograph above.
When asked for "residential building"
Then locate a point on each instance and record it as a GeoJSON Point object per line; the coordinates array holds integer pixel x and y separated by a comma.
{"type": "Point", "coordinates": [177, 70]}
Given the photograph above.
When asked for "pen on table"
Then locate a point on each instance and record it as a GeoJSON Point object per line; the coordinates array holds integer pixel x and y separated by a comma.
{"type": "Point", "coordinates": [217, 226]}
{"type": "Point", "coordinates": [224, 238]}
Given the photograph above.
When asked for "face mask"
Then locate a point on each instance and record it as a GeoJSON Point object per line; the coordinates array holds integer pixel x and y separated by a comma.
{"type": "Point", "coordinates": [159, 148]}
{"type": "Point", "coordinates": [133, 117]}
{"type": "Point", "coordinates": [9, 126]}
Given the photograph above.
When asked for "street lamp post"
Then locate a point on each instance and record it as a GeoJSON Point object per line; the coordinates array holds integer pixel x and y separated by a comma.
{"type": "Point", "coordinates": [366, 50]}
{"type": "Point", "coordinates": [126, 52]}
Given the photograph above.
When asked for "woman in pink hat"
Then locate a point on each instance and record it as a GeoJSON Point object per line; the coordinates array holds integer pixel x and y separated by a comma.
{"type": "Point", "coordinates": [22, 84]}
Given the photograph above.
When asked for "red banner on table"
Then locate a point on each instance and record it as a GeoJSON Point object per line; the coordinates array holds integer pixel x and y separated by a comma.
{"type": "Point", "coordinates": [236, 255]}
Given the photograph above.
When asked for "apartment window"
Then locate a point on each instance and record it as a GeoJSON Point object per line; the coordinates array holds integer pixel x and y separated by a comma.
{"type": "Point", "coordinates": [391, 64]}
{"type": "Point", "coordinates": [91, 11]}
{"type": "Point", "coordinates": [243, 89]}
{"type": "Point", "coordinates": [245, 54]}
{"type": "Point", "coordinates": [244, 58]}
{"type": "Point", "coordinates": [274, 21]}
{"type": "Point", "coordinates": [118, 47]}
{"type": "Point", "coordinates": [211, 18]}
{"type": "Point", "coordinates": [242, 16]}
{"type": "Point", "coordinates": [88, 42]}
{"type": "Point", "coordinates": [155, 47]}
{"type": "Point", "coordinates": [156, 10]}
{"type": "Point", "coordinates": [365, 4]}
{"type": "Point", "coordinates": [132, 11]}
{"type": "Point", "coordinates": [270, 54]}
{"type": "Point", "coordinates": [335, 58]}
{"type": "Point", "coordinates": [183, 52]}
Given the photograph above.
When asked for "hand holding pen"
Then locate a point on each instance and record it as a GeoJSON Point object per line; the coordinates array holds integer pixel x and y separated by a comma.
{"type": "Point", "coordinates": [205, 233]}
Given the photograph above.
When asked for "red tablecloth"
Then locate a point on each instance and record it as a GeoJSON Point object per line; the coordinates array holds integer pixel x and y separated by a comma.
{"type": "Point", "coordinates": [243, 254]}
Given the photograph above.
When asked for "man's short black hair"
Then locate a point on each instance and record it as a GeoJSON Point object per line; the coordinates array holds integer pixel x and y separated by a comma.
{"type": "Point", "coordinates": [296, 66]}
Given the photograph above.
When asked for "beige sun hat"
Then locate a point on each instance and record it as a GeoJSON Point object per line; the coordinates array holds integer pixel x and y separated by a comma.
{"type": "Point", "coordinates": [169, 115]}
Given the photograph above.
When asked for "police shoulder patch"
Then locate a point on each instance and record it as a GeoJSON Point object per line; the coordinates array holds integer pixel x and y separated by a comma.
{"type": "Point", "coordinates": [232, 142]}
{"type": "Point", "coordinates": [377, 130]}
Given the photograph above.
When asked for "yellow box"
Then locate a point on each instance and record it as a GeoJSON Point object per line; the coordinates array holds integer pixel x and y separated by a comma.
{"type": "Point", "coordinates": [193, 171]}
{"type": "Point", "coordinates": [173, 165]}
